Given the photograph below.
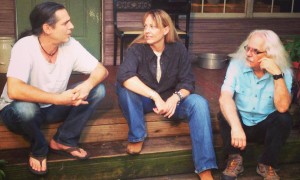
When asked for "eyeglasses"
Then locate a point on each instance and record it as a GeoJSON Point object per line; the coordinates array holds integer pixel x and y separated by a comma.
{"type": "Point", "coordinates": [252, 50]}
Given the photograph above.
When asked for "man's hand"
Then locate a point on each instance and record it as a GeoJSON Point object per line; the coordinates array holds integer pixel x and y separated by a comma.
{"type": "Point", "coordinates": [82, 91]}
{"type": "Point", "coordinates": [269, 65]}
{"type": "Point", "coordinates": [70, 97]}
{"type": "Point", "coordinates": [76, 96]}
{"type": "Point", "coordinates": [238, 138]}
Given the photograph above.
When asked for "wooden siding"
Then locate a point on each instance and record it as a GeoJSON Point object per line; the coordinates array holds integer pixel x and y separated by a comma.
{"type": "Point", "coordinates": [207, 35]}
{"type": "Point", "coordinates": [7, 18]}
{"type": "Point", "coordinates": [225, 35]}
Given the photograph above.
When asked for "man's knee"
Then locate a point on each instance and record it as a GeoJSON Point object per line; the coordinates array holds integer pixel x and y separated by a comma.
{"type": "Point", "coordinates": [284, 120]}
{"type": "Point", "coordinates": [98, 92]}
{"type": "Point", "coordinates": [26, 110]}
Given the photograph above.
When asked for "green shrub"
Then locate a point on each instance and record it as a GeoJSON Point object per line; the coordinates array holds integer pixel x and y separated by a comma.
{"type": "Point", "coordinates": [292, 45]}
{"type": "Point", "coordinates": [2, 174]}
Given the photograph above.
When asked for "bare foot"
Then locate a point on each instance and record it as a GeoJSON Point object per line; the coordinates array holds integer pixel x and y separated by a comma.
{"type": "Point", "coordinates": [56, 146]}
{"type": "Point", "coordinates": [134, 147]}
{"type": "Point", "coordinates": [206, 175]}
{"type": "Point", "coordinates": [36, 165]}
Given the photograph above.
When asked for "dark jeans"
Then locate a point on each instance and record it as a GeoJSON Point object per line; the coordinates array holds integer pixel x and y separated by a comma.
{"type": "Point", "coordinates": [26, 118]}
{"type": "Point", "coordinates": [272, 132]}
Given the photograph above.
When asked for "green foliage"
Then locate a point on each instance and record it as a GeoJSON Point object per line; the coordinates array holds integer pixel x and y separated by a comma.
{"type": "Point", "coordinates": [2, 174]}
{"type": "Point", "coordinates": [293, 48]}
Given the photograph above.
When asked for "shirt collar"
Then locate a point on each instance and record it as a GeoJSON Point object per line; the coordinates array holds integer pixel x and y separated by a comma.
{"type": "Point", "coordinates": [247, 69]}
{"type": "Point", "coordinates": [166, 52]}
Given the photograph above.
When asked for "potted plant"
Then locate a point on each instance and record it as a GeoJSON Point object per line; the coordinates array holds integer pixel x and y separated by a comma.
{"type": "Point", "coordinates": [2, 174]}
{"type": "Point", "coordinates": [292, 45]}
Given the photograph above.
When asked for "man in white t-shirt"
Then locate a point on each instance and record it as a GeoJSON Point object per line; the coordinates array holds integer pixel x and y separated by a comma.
{"type": "Point", "coordinates": [36, 91]}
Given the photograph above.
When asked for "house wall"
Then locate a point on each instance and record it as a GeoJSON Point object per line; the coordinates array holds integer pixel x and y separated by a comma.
{"type": "Point", "coordinates": [7, 18]}
{"type": "Point", "coordinates": [207, 35]}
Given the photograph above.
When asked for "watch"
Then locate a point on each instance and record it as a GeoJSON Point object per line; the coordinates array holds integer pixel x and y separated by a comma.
{"type": "Point", "coordinates": [179, 95]}
{"type": "Point", "coordinates": [277, 76]}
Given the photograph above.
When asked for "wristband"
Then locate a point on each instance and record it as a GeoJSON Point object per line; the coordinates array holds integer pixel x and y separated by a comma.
{"type": "Point", "coordinates": [178, 93]}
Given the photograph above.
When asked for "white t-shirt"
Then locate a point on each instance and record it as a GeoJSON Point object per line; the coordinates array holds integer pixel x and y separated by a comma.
{"type": "Point", "coordinates": [28, 64]}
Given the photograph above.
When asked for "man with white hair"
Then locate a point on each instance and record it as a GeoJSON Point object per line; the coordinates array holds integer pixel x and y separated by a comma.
{"type": "Point", "coordinates": [255, 98]}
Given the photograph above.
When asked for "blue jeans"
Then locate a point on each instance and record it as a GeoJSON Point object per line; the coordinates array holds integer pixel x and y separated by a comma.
{"type": "Point", "coordinates": [194, 108]}
{"type": "Point", "coordinates": [26, 118]}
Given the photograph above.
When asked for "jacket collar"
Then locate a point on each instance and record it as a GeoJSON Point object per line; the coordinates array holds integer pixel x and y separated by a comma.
{"type": "Point", "coordinates": [166, 52]}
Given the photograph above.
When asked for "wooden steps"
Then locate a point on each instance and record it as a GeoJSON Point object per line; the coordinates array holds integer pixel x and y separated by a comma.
{"type": "Point", "coordinates": [104, 126]}
{"type": "Point", "coordinates": [160, 157]}
{"type": "Point", "coordinates": [108, 125]}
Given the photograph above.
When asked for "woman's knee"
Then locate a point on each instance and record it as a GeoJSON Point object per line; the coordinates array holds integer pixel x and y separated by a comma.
{"type": "Point", "coordinates": [197, 101]}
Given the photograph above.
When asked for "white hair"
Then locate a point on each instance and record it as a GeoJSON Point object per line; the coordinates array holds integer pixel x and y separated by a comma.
{"type": "Point", "coordinates": [273, 46]}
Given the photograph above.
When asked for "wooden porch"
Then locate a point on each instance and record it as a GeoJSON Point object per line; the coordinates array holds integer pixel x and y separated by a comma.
{"type": "Point", "coordinates": [167, 150]}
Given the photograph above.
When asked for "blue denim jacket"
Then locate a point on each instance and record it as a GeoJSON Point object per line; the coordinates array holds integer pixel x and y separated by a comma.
{"type": "Point", "coordinates": [254, 97]}
{"type": "Point", "coordinates": [140, 61]}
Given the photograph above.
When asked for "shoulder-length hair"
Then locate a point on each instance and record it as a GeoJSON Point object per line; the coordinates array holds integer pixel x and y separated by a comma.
{"type": "Point", "coordinates": [162, 20]}
{"type": "Point", "coordinates": [272, 45]}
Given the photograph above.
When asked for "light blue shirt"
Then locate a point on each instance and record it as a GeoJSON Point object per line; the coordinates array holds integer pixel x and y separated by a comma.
{"type": "Point", "coordinates": [254, 98]}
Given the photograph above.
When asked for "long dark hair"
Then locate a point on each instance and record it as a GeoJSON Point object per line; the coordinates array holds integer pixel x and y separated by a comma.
{"type": "Point", "coordinates": [41, 14]}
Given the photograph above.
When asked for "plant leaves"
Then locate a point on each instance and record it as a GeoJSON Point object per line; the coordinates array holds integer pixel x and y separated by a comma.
{"type": "Point", "coordinates": [2, 174]}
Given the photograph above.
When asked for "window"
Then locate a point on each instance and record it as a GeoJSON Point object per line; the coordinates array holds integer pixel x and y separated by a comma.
{"type": "Point", "coordinates": [272, 6]}
{"type": "Point", "coordinates": [218, 6]}
{"type": "Point", "coordinates": [246, 8]}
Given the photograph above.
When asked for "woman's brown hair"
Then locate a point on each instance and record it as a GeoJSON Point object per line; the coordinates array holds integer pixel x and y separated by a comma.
{"type": "Point", "coordinates": [162, 20]}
